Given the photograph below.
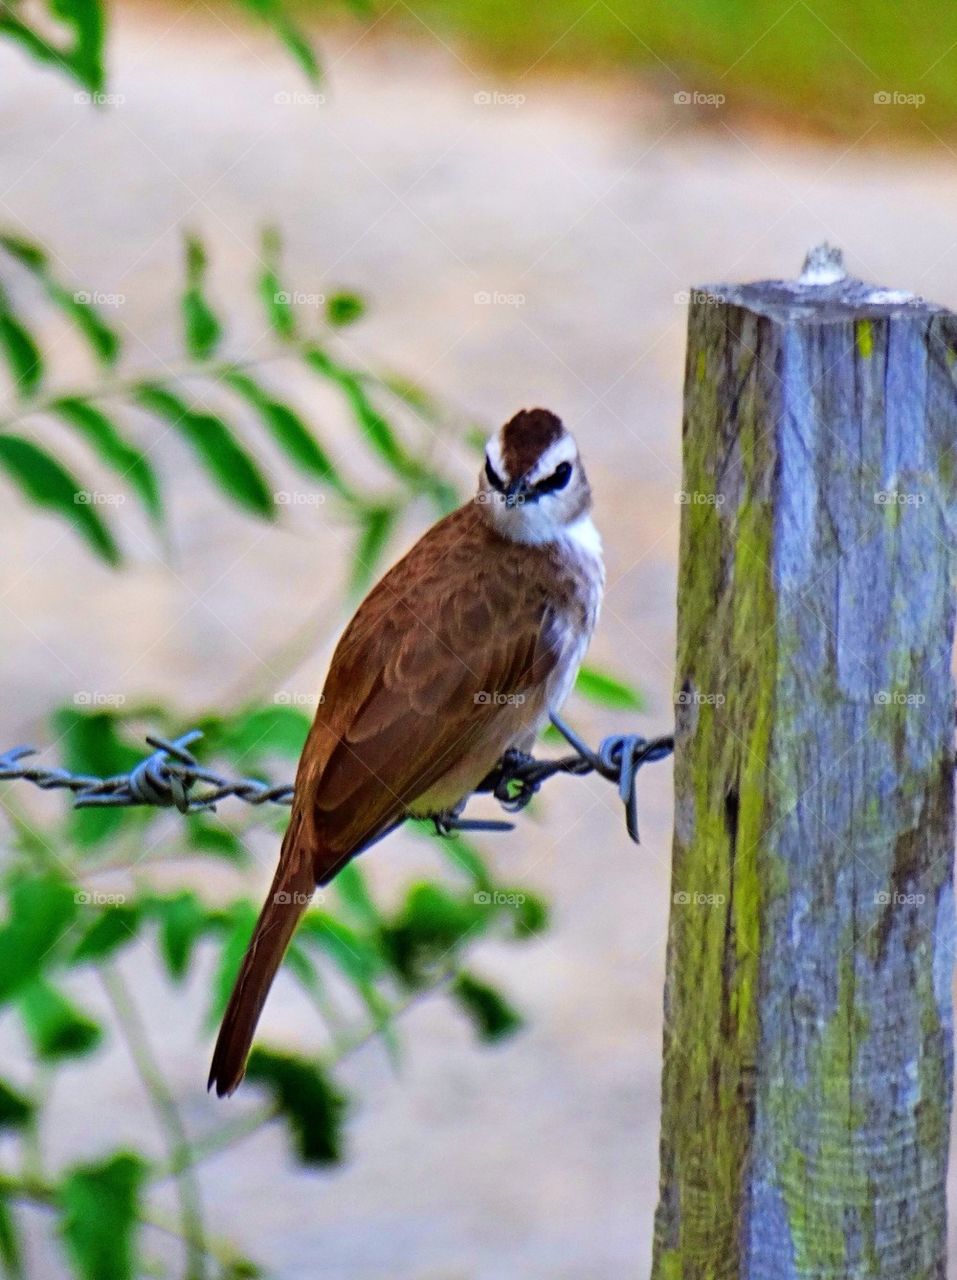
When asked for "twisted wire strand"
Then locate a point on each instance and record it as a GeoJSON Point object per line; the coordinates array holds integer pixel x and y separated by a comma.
{"type": "Point", "coordinates": [172, 777]}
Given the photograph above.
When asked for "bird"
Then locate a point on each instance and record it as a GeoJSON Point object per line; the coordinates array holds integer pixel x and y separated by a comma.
{"type": "Point", "coordinates": [456, 656]}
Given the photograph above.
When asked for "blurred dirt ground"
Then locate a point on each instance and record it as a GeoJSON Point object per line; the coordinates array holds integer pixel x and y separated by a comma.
{"type": "Point", "coordinates": [426, 182]}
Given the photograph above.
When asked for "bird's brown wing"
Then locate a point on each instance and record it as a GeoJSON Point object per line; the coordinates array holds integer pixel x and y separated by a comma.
{"type": "Point", "coordinates": [420, 672]}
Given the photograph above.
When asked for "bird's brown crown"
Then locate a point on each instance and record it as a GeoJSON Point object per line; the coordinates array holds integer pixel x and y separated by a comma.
{"type": "Point", "coordinates": [525, 438]}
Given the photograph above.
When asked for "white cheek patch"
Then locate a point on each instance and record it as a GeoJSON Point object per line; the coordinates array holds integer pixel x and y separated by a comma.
{"type": "Point", "coordinates": [563, 450]}
{"type": "Point", "coordinates": [493, 452]}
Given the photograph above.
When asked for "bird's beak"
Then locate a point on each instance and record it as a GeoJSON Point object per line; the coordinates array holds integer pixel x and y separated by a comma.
{"type": "Point", "coordinates": [516, 492]}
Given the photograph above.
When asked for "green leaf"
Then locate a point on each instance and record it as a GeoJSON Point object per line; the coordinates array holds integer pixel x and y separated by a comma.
{"type": "Point", "coordinates": [274, 14]}
{"type": "Point", "coordinates": [344, 308]}
{"type": "Point", "coordinates": [358, 959]}
{"type": "Point", "coordinates": [104, 438]}
{"type": "Point", "coordinates": [493, 1016]}
{"type": "Point", "coordinates": [19, 349]}
{"type": "Point", "coordinates": [288, 430]}
{"type": "Point", "coordinates": [597, 686]}
{"type": "Point", "coordinates": [226, 460]}
{"type": "Point", "coordinates": [371, 422]}
{"type": "Point", "coordinates": [239, 923]}
{"type": "Point", "coordinates": [11, 1251]}
{"type": "Point", "coordinates": [459, 852]}
{"type": "Point", "coordinates": [201, 328]}
{"type": "Point", "coordinates": [531, 914]}
{"type": "Point", "coordinates": [57, 1028]}
{"type": "Point", "coordinates": [351, 886]}
{"type": "Point", "coordinates": [15, 1108]}
{"type": "Point", "coordinates": [182, 922]}
{"type": "Point", "coordinates": [41, 911]}
{"type": "Point", "coordinates": [112, 928]}
{"type": "Point", "coordinates": [90, 743]}
{"type": "Point", "coordinates": [378, 524]}
{"type": "Point", "coordinates": [430, 927]}
{"type": "Point", "coordinates": [99, 1206]}
{"type": "Point", "coordinates": [47, 484]}
{"type": "Point", "coordinates": [252, 737]}
{"type": "Point", "coordinates": [76, 305]}
{"type": "Point", "coordinates": [87, 21]}
{"type": "Point", "coordinates": [307, 1099]}
{"type": "Point", "coordinates": [83, 57]}
{"type": "Point", "coordinates": [276, 299]}
{"type": "Point", "coordinates": [213, 837]}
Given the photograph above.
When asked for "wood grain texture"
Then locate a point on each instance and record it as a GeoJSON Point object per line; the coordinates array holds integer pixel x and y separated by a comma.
{"type": "Point", "coordinates": [808, 1031]}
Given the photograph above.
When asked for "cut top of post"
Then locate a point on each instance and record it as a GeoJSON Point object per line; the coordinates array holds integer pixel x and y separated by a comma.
{"type": "Point", "coordinates": [823, 293]}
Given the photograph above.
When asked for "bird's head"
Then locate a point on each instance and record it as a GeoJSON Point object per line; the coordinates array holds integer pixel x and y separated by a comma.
{"type": "Point", "coordinates": [533, 485]}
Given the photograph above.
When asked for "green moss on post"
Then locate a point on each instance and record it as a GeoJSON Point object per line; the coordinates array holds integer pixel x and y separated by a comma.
{"type": "Point", "coordinates": [807, 1058]}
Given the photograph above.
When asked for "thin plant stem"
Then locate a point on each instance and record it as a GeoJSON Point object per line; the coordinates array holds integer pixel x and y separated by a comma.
{"type": "Point", "coordinates": [170, 1120]}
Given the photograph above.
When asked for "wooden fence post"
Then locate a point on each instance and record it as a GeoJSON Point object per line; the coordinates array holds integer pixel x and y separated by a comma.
{"type": "Point", "coordinates": [808, 1032]}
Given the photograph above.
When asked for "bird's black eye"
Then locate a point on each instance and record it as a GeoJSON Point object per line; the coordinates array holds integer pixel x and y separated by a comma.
{"type": "Point", "coordinates": [557, 480]}
{"type": "Point", "coordinates": [492, 478]}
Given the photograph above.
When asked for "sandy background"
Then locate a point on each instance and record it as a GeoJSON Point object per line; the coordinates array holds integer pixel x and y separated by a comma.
{"type": "Point", "coordinates": [596, 205]}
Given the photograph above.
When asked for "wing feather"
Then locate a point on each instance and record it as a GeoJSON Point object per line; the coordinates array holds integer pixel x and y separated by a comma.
{"type": "Point", "coordinates": [452, 621]}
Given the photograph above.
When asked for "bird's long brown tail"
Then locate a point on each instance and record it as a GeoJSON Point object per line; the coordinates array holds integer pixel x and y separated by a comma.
{"type": "Point", "coordinates": [289, 895]}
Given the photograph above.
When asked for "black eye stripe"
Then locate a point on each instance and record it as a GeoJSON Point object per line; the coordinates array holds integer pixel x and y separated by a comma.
{"type": "Point", "coordinates": [492, 478]}
{"type": "Point", "coordinates": [557, 480]}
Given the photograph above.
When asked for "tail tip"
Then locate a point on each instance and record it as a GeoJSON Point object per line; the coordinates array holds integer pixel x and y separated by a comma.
{"type": "Point", "coordinates": [225, 1083]}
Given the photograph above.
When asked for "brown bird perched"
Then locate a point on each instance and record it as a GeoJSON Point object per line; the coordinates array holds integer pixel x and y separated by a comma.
{"type": "Point", "coordinates": [457, 655]}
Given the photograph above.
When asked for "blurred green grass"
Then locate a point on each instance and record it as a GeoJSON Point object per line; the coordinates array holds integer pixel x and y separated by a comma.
{"type": "Point", "coordinates": [824, 62]}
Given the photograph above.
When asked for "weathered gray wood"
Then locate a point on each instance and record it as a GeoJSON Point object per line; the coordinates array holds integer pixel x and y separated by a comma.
{"type": "Point", "coordinates": [808, 1039]}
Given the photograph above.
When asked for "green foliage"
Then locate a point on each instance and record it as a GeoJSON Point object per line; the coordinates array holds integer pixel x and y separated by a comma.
{"type": "Point", "coordinates": [493, 1016]}
{"type": "Point", "coordinates": [306, 1099]}
{"type": "Point", "coordinates": [608, 691]}
{"type": "Point", "coordinates": [201, 405]}
{"type": "Point", "coordinates": [201, 328]}
{"type": "Point", "coordinates": [70, 36]}
{"type": "Point", "coordinates": [41, 909]}
{"type": "Point", "coordinates": [103, 341]}
{"type": "Point", "coordinates": [77, 50]}
{"type": "Point", "coordinates": [15, 1109]}
{"type": "Point", "coordinates": [56, 1027]}
{"type": "Point", "coordinates": [48, 484]}
{"type": "Point", "coordinates": [99, 1207]}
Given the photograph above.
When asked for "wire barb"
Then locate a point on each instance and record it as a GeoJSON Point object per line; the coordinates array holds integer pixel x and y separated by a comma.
{"type": "Point", "coordinates": [167, 778]}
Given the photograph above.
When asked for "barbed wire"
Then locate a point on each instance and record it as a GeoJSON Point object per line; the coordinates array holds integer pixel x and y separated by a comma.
{"type": "Point", "coordinates": [172, 777]}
